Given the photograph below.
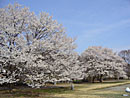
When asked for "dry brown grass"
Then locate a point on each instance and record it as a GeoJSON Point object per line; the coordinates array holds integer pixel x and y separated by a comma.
{"type": "Point", "coordinates": [86, 90]}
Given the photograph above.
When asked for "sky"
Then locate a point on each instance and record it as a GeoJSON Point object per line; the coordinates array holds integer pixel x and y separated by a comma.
{"type": "Point", "coordinates": [103, 23]}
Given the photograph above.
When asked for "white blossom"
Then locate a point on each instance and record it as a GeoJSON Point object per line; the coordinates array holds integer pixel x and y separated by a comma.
{"type": "Point", "coordinates": [99, 62]}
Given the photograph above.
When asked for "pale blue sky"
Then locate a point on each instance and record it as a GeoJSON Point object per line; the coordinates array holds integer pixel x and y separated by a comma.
{"type": "Point", "coordinates": [94, 22]}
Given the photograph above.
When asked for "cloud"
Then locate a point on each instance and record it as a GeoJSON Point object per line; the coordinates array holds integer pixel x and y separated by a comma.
{"type": "Point", "coordinates": [104, 28]}
{"type": "Point", "coordinates": [89, 37]}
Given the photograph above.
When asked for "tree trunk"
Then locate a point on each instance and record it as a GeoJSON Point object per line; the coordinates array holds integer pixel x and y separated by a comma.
{"type": "Point", "coordinates": [101, 78]}
{"type": "Point", "coordinates": [10, 87]}
{"type": "Point", "coordinates": [93, 79]}
{"type": "Point", "coordinates": [90, 79]}
{"type": "Point", "coordinates": [117, 77]}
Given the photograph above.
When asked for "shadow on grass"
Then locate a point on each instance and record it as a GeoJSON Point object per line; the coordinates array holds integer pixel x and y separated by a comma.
{"type": "Point", "coordinates": [104, 82]}
{"type": "Point", "coordinates": [28, 92]}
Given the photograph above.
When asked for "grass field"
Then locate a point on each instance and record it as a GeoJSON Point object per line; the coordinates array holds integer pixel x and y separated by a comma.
{"type": "Point", "coordinates": [85, 90]}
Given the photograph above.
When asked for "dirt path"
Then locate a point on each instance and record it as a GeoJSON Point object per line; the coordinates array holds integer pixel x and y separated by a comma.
{"type": "Point", "coordinates": [118, 88]}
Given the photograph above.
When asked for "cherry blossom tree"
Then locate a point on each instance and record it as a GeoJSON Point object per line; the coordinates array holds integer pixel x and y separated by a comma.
{"type": "Point", "coordinates": [99, 62]}
{"type": "Point", "coordinates": [13, 21]}
{"type": "Point", "coordinates": [34, 48]}
{"type": "Point", "coordinates": [125, 54]}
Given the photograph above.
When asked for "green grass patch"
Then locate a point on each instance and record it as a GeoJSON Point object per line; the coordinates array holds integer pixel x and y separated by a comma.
{"type": "Point", "coordinates": [52, 90]}
{"type": "Point", "coordinates": [85, 90]}
{"type": "Point", "coordinates": [33, 93]}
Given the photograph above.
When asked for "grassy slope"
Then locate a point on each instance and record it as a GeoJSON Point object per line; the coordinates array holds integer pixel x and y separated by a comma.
{"type": "Point", "coordinates": [87, 90]}
{"type": "Point", "coordinates": [94, 91]}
